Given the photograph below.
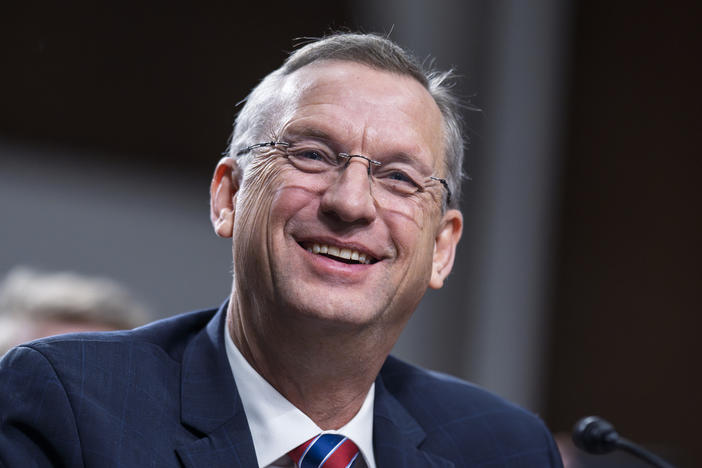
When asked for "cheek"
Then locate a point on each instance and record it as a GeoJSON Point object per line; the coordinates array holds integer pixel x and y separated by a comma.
{"type": "Point", "coordinates": [252, 216]}
{"type": "Point", "coordinates": [412, 227]}
{"type": "Point", "coordinates": [295, 203]}
{"type": "Point", "coordinates": [414, 212]}
{"type": "Point", "coordinates": [414, 239]}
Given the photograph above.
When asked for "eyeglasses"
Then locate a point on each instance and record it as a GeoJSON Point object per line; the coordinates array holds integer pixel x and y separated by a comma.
{"type": "Point", "coordinates": [395, 179]}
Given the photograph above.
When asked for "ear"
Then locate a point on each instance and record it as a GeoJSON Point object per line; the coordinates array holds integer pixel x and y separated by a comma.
{"type": "Point", "coordinates": [223, 190]}
{"type": "Point", "coordinates": [447, 238]}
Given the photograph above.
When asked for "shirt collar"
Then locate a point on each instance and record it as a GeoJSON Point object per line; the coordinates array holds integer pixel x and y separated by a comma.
{"type": "Point", "coordinates": [277, 426]}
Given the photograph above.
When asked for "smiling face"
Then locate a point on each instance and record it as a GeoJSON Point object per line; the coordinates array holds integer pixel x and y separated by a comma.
{"type": "Point", "coordinates": [335, 248]}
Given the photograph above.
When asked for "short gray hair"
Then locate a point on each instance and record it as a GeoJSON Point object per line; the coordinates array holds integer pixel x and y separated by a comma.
{"type": "Point", "coordinates": [30, 298]}
{"type": "Point", "coordinates": [258, 114]}
{"type": "Point", "coordinates": [64, 295]}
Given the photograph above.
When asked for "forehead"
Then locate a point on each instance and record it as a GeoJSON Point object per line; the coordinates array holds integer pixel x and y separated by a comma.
{"type": "Point", "coordinates": [365, 108]}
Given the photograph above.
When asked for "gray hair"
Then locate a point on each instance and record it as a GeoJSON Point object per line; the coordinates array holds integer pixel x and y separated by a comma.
{"type": "Point", "coordinates": [33, 294]}
{"type": "Point", "coordinates": [30, 297]}
{"type": "Point", "coordinates": [262, 105]}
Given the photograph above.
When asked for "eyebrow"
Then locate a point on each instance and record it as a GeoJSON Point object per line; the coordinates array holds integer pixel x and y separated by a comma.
{"type": "Point", "coordinates": [309, 132]}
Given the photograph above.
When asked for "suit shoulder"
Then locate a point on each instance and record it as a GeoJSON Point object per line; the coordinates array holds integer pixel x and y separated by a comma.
{"type": "Point", "coordinates": [460, 416]}
{"type": "Point", "coordinates": [450, 393]}
{"type": "Point", "coordinates": [168, 336]}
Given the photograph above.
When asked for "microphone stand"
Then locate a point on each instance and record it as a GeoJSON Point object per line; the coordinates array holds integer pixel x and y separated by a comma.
{"type": "Point", "coordinates": [638, 451]}
{"type": "Point", "coordinates": [595, 435]}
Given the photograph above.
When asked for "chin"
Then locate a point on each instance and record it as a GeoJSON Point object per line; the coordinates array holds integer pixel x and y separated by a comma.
{"type": "Point", "coordinates": [339, 310]}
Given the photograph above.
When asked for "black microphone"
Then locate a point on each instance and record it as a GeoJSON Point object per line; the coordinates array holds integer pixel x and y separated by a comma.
{"type": "Point", "coordinates": [595, 435]}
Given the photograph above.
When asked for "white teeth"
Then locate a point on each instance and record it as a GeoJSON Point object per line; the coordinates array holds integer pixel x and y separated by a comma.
{"type": "Point", "coordinates": [346, 254]}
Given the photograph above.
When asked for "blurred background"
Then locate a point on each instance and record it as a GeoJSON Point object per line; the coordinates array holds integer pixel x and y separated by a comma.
{"type": "Point", "coordinates": [577, 287]}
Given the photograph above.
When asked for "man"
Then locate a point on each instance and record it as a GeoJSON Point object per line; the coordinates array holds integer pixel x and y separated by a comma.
{"type": "Point", "coordinates": [340, 195]}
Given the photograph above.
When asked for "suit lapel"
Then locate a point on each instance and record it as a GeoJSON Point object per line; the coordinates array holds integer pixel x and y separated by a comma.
{"type": "Point", "coordinates": [210, 403]}
{"type": "Point", "coordinates": [397, 435]}
{"type": "Point", "coordinates": [211, 406]}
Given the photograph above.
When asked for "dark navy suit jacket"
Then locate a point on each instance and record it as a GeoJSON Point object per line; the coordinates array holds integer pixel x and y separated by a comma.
{"type": "Point", "coordinates": [163, 395]}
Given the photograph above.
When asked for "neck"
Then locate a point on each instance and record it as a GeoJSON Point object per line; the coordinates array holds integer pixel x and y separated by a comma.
{"type": "Point", "coordinates": [325, 370]}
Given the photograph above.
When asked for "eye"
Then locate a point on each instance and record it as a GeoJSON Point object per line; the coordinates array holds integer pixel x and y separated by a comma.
{"type": "Point", "coordinates": [313, 155]}
{"type": "Point", "coordinates": [310, 158]}
{"type": "Point", "coordinates": [400, 177]}
{"type": "Point", "coordinates": [399, 182]}
{"type": "Point", "coordinates": [310, 153]}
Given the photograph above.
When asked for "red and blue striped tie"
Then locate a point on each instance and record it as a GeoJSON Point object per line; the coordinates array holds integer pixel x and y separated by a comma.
{"type": "Point", "coordinates": [325, 451]}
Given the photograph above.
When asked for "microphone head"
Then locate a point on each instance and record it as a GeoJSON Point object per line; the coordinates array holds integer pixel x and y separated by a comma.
{"type": "Point", "coordinates": [595, 435]}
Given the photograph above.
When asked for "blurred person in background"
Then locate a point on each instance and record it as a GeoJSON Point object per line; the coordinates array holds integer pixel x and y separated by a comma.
{"type": "Point", "coordinates": [35, 304]}
{"type": "Point", "coordinates": [340, 193]}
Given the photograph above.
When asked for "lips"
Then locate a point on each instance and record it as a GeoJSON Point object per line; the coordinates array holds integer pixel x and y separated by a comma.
{"type": "Point", "coordinates": [339, 253]}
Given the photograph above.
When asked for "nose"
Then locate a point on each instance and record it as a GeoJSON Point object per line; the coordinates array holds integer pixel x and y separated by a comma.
{"type": "Point", "coordinates": [348, 197]}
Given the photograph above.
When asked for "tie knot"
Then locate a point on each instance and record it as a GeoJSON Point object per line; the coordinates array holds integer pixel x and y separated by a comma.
{"type": "Point", "coordinates": [325, 450]}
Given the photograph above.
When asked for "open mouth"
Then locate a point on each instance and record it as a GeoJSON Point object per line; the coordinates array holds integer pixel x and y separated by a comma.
{"type": "Point", "coordinates": [340, 254]}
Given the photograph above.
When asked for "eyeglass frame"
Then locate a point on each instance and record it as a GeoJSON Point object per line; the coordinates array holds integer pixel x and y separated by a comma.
{"type": "Point", "coordinates": [346, 156]}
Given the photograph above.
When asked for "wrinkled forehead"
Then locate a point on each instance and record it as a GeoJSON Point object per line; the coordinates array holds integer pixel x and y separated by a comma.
{"type": "Point", "coordinates": [353, 101]}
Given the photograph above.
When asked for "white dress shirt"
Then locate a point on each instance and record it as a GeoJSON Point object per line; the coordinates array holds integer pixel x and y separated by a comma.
{"type": "Point", "coordinates": [277, 426]}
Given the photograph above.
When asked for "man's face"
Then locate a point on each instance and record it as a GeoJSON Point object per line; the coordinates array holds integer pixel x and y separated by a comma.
{"type": "Point", "coordinates": [282, 213]}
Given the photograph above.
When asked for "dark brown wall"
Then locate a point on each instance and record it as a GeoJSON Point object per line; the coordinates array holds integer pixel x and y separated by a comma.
{"type": "Point", "coordinates": [626, 317]}
{"type": "Point", "coordinates": [155, 79]}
